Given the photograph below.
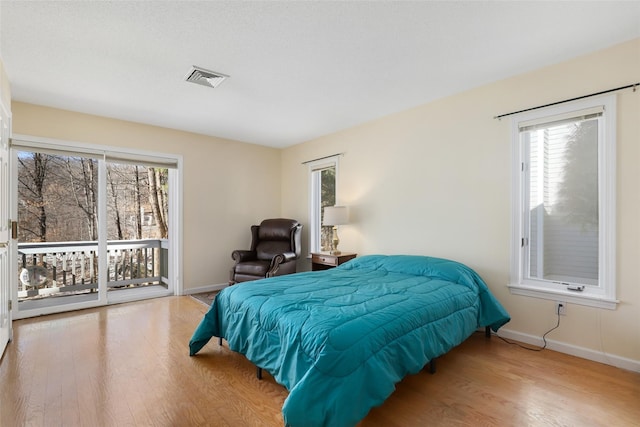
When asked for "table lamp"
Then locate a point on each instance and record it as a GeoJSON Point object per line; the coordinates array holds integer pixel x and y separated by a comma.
{"type": "Point", "coordinates": [334, 216]}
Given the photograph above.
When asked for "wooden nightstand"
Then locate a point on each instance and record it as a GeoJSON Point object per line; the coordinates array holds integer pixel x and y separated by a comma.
{"type": "Point", "coordinates": [324, 261]}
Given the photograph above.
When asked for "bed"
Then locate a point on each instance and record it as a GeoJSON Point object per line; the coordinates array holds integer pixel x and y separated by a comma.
{"type": "Point", "coordinates": [340, 339]}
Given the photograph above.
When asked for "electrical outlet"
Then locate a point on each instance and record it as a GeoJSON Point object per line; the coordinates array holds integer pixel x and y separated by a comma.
{"type": "Point", "coordinates": [561, 308]}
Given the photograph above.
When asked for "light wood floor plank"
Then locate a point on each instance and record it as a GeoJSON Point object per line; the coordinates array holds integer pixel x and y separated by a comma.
{"type": "Point", "coordinates": [129, 365]}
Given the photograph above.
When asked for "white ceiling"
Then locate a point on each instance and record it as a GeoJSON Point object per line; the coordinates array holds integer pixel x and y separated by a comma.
{"type": "Point", "coordinates": [299, 69]}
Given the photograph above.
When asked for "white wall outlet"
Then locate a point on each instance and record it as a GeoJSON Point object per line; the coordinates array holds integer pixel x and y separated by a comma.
{"type": "Point", "coordinates": [561, 308]}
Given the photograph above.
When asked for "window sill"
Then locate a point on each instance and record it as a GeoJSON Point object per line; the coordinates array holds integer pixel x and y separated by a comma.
{"type": "Point", "coordinates": [589, 300]}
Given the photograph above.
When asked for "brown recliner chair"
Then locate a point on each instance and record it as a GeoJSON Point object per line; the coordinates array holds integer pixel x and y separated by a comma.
{"type": "Point", "coordinates": [275, 247]}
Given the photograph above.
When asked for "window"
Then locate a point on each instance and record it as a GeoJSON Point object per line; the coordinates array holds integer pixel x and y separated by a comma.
{"type": "Point", "coordinates": [563, 203]}
{"type": "Point", "coordinates": [323, 175]}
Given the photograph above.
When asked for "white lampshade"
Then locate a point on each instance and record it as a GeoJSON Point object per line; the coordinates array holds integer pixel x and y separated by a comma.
{"type": "Point", "coordinates": [335, 215]}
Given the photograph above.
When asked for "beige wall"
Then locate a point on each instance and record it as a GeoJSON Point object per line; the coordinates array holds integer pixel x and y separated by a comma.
{"type": "Point", "coordinates": [228, 185]}
{"type": "Point", "coordinates": [435, 180]}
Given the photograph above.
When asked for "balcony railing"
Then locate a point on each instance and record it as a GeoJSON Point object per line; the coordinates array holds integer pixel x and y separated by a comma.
{"type": "Point", "coordinates": [63, 268]}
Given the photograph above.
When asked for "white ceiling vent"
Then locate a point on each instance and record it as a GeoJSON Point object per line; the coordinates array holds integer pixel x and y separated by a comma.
{"type": "Point", "coordinates": [205, 77]}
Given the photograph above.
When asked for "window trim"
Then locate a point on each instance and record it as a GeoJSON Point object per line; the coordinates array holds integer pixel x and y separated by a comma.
{"type": "Point", "coordinates": [605, 295]}
{"type": "Point", "coordinates": [314, 197]}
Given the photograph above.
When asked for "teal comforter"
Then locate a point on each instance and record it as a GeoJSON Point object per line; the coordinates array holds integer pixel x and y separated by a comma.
{"type": "Point", "coordinates": [339, 340]}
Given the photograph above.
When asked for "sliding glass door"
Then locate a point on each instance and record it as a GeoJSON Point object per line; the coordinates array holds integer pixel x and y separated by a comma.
{"type": "Point", "coordinates": [58, 223]}
{"type": "Point", "coordinates": [137, 228]}
{"type": "Point", "coordinates": [94, 226]}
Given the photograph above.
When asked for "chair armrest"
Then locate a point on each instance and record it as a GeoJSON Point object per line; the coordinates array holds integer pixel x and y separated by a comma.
{"type": "Point", "coordinates": [242, 255]}
{"type": "Point", "coordinates": [289, 256]}
{"type": "Point", "coordinates": [281, 259]}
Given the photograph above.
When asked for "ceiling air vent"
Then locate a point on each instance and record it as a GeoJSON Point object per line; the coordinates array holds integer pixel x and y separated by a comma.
{"type": "Point", "coordinates": [205, 77]}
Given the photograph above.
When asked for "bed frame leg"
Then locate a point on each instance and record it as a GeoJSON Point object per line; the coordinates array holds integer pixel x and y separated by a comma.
{"type": "Point", "coordinates": [487, 331]}
{"type": "Point", "coordinates": [259, 373]}
{"type": "Point", "coordinates": [432, 366]}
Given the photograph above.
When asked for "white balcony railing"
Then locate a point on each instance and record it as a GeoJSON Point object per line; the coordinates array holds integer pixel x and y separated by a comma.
{"type": "Point", "coordinates": [64, 268]}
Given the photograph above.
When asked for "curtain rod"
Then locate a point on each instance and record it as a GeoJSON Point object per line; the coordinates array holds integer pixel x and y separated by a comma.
{"type": "Point", "coordinates": [634, 85]}
{"type": "Point", "coordinates": [322, 158]}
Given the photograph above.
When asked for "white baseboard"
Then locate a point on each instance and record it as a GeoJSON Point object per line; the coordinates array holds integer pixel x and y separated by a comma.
{"type": "Point", "coordinates": [585, 353]}
{"type": "Point", "coordinates": [208, 288]}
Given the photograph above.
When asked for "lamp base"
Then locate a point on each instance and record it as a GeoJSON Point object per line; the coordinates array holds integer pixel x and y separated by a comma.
{"type": "Point", "coordinates": [334, 242]}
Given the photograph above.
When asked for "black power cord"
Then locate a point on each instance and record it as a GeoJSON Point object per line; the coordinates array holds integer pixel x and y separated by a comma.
{"type": "Point", "coordinates": [543, 336]}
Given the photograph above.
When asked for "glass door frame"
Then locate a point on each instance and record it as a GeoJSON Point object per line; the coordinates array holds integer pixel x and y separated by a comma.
{"type": "Point", "coordinates": [104, 154]}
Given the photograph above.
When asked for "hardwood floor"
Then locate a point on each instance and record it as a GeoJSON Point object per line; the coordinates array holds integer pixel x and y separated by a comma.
{"type": "Point", "coordinates": [129, 365]}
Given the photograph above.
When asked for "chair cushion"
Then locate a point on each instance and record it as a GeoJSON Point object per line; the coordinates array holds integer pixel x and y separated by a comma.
{"type": "Point", "coordinates": [267, 249]}
{"type": "Point", "coordinates": [276, 229]}
{"type": "Point", "coordinates": [254, 268]}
